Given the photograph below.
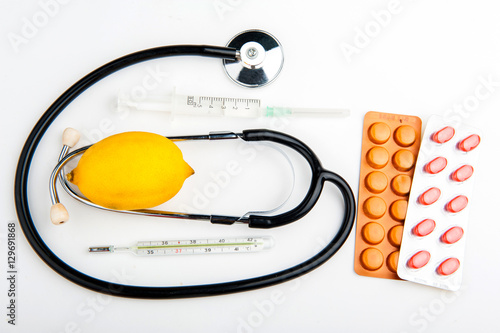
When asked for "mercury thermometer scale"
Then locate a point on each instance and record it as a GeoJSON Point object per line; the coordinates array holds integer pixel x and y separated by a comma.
{"type": "Point", "coordinates": [192, 246]}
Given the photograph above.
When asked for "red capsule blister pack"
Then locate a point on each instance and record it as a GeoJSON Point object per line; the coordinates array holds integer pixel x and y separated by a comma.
{"type": "Point", "coordinates": [433, 243]}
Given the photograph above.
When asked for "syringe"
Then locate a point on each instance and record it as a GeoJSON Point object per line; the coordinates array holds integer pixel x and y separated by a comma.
{"type": "Point", "coordinates": [193, 105]}
{"type": "Point", "coordinates": [192, 246]}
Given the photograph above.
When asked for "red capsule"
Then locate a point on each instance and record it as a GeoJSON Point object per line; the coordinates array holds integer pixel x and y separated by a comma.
{"type": "Point", "coordinates": [436, 165]}
{"type": "Point", "coordinates": [448, 267]}
{"type": "Point", "coordinates": [463, 173]}
{"type": "Point", "coordinates": [424, 228]}
{"type": "Point", "coordinates": [443, 135]}
{"type": "Point", "coordinates": [430, 196]}
{"type": "Point", "coordinates": [457, 204]}
{"type": "Point", "coordinates": [419, 260]}
{"type": "Point", "coordinates": [469, 143]}
{"type": "Point", "coordinates": [452, 235]}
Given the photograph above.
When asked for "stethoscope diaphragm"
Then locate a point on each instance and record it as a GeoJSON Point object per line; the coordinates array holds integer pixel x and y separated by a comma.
{"type": "Point", "coordinates": [260, 58]}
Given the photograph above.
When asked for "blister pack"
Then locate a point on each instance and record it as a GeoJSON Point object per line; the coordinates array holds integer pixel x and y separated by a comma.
{"type": "Point", "coordinates": [389, 151]}
{"type": "Point", "coordinates": [433, 244]}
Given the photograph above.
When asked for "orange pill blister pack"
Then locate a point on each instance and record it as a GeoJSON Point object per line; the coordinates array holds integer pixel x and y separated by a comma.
{"type": "Point", "coordinates": [389, 151]}
{"type": "Point", "coordinates": [433, 243]}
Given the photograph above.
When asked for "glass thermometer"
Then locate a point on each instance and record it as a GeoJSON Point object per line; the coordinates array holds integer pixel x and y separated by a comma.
{"type": "Point", "coordinates": [192, 246]}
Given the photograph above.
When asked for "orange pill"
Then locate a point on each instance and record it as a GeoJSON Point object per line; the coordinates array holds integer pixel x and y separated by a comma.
{"type": "Point", "coordinates": [390, 145]}
{"type": "Point", "coordinates": [424, 228]}
{"type": "Point", "coordinates": [395, 235]}
{"type": "Point", "coordinates": [463, 173]}
{"type": "Point", "coordinates": [448, 267]}
{"type": "Point", "coordinates": [377, 157]}
{"type": "Point", "coordinates": [392, 261]}
{"type": "Point", "coordinates": [457, 204]}
{"type": "Point", "coordinates": [430, 196]}
{"type": "Point", "coordinates": [371, 259]}
{"type": "Point", "coordinates": [374, 207]}
{"type": "Point", "coordinates": [452, 235]}
{"type": "Point", "coordinates": [405, 135]}
{"type": "Point", "coordinates": [469, 143]}
{"type": "Point", "coordinates": [376, 182]}
{"type": "Point", "coordinates": [443, 135]}
{"type": "Point", "coordinates": [379, 133]}
{"type": "Point", "coordinates": [373, 233]}
{"type": "Point", "coordinates": [419, 260]}
{"type": "Point", "coordinates": [401, 184]}
{"type": "Point", "coordinates": [403, 160]}
{"type": "Point", "coordinates": [436, 165]}
{"type": "Point", "coordinates": [397, 210]}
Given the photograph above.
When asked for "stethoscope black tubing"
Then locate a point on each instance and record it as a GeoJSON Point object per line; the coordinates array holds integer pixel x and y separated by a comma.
{"type": "Point", "coordinates": [314, 191]}
{"type": "Point", "coordinates": [59, 266]}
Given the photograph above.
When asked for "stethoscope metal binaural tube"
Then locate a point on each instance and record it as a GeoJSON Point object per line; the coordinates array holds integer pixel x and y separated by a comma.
{"type": "Point", "coordinates": [254, 221]}
{"type": "Point", "coordinates": [64, 158]}
{"type": "Point", "coordinates": [320, 176]}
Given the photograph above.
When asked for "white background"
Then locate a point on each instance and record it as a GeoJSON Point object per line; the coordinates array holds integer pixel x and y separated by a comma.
{"type": "Point", "coordinates": [417, 57]}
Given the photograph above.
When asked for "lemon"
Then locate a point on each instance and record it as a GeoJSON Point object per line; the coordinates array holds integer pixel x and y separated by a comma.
{"type": "Point", "coordinates": [131, 170]}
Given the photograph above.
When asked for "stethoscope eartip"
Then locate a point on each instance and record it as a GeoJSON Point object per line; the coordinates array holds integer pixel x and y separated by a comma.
{"type": "Point", "coordinates": [58, 214]}
{"type": "Point", "coordinates": [70, 137]}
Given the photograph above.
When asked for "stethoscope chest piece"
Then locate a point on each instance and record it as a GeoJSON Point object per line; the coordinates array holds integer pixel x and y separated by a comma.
{"type": "Point", "coordinates": [260, 59]}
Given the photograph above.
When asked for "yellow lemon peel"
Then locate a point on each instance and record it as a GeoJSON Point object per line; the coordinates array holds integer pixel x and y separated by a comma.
{"type": "Point", "coordinates": [131, 170]}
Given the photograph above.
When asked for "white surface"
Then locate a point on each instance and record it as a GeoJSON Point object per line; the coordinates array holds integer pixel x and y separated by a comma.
{"type": "Point", "coordinates": [425, 57]}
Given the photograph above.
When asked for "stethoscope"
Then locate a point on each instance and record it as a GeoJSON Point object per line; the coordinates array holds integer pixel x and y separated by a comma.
{"type": "Point", "coordinates": [253, 58]}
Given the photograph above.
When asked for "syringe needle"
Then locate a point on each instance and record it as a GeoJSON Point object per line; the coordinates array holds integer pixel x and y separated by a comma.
{"type": "Point", "coordinates": [304, 112]}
